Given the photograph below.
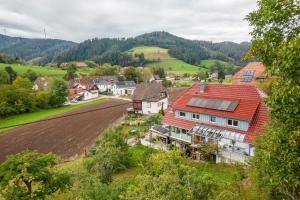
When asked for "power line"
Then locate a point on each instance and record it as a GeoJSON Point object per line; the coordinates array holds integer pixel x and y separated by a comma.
{"type": "Point", "coordinates": [74, 114]}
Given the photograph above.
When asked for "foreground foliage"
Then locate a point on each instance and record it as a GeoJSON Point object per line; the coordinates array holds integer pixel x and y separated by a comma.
{"type": "Point", "coordinates": [168, 176]}
{"type": "Point", "coordinates": [28, 175]}
{"type": "Point", "coordinates": [276, 43]}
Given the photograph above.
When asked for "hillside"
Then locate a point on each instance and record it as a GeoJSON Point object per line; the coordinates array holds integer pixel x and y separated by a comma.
{"type": "Point", "coordinates": [152, 53]}
{"type": "Point", "coordinates": [38, 50]}
{"type": "Point", "coordinates": [114, 50]}
{"type": "Point", "coordinates": [43, 71]}
{"type": "Point", "coordinates": [161, 58]}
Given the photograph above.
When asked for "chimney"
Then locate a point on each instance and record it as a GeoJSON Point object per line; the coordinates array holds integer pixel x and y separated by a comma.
{"type": "Point", "coordinates": [202, 86]}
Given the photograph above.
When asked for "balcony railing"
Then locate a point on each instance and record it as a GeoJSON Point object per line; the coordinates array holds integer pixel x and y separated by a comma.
{"type": "Point", "coordinates": [231, 148]}
{"type": "Point", "coordinates": [184, 137]}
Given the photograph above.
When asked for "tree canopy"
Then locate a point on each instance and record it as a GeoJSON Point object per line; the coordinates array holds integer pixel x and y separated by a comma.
{"type": "Point", "coordinates": [276, 42]}
{"type": "Point", "coordinates": [28, 175]}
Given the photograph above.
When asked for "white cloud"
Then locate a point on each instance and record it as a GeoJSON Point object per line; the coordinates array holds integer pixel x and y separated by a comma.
{"type": "Point", "coordinates": [77, 20]}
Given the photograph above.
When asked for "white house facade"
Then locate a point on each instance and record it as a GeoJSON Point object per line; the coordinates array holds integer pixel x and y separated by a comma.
{"type": "Point", "coordinates": [228, 116]}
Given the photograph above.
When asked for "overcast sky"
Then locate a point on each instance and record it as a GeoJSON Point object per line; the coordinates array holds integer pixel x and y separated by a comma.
{"type": "Point", "coordinates": [78, 20]}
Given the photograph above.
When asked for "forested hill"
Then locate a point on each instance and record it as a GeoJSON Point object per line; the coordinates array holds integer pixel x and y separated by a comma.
{"type": "Point", "coordinates": [190, 51]}
{"type": "Point", "coordinates": [33, 49]}
{"type": "Point", "coordinates": [114, 50]}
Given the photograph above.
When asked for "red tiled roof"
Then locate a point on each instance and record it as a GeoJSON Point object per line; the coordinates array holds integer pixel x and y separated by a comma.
{"type": "Point", "coordinates": [74, 92]}
{"type": "Point", "coordinates": [250, 107]}
{"type": "Point", "coordinates": [258, 69]}
{"type": "Point", "coordinates": [80, 64]}
{"type": "Point", "coordinates": [246, 95]}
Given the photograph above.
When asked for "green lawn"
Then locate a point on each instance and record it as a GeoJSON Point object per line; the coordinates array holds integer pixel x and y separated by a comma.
{"type": "Point", "coordinates": [152, 53]}
{"type": "Point", "coordinates": [41, 114]}
{"type": "Point", "coordinates": [176, 66]}
{"type": "Point", "coordinates": [161, 58]}
{"type": "Point", "coordinates": [222, 173]}
{"type": "Point", "coordinates": [42, 71]}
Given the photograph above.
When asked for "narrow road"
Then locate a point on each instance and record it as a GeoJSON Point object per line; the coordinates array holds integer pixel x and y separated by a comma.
{"type": "Point", "coordinates": [66, 137]}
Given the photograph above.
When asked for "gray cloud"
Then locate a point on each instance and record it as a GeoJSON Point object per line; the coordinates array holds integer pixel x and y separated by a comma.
{"type": "Point", "coordinates": [77, 20]}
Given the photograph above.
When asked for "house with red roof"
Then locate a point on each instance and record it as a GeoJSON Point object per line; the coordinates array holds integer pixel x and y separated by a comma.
{"type": "Point", "coordinates": [250, 74]}
{"type": "Point", "coordinates": [230, 116]}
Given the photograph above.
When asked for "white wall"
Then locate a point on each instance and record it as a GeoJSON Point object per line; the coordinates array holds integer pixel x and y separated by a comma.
{"type": "Point", "coordinates": [90, 95]}
{"type": "Point", "coordinates": [220, 121]}
{"type": "Point", "coordinates": [122, 91]}
{"type": "Point", "coordinates": [154, 107]}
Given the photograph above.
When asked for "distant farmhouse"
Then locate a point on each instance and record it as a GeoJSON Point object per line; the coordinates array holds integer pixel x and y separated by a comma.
{"type": "Point", "coordinates": [150, 98]}
{"type": "Point", "coordinates": [42, 84]}
{"type": "Point", "coordinates": [77, 64]}
{"type": "Point", "coordinates": [250, 74]}
{"type": "Point", "coordinates": [228, 116]}
{"type": "Point", "coordinates": [89, 87]}
{"type": "Point", "coordinates": [82, 89]}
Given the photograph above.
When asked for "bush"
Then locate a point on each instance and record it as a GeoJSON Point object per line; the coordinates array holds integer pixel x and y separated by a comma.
{"type": "Point", "coordinates": [42, 99]}
{"type": "Point", "coordinates": [112, 156]}
{"type": "Point", "coordinates": [167, 83]}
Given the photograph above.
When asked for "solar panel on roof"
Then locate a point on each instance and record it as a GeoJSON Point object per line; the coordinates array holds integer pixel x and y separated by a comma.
{"type": "Point", "coordinates": [213, 104]}
{"type": "Point", "coordinates": [248, 73]}
{"type": "Point", "coordinates": [246, 78]}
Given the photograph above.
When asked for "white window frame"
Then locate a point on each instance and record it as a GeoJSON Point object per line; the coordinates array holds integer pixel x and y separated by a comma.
{"type": "Point", "coordinates": [232, 122]}
{"type": "Point", "coordinates": [148, 104]}
{"type": "Point", "coordinates": [210, 119]}
{"type": "Point", "coordinates": [195, 116]}
{"type": "Point", "coordinates": [184, 114]}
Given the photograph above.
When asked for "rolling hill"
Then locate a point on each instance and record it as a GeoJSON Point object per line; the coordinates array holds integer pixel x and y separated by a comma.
{"type": "Point", "coordinates": [43, 71]}
{"type": "Point", "coordinates": [115, 50]}
{"type": "Point", "coordinates": [38, 50]}
{"type": "Point", "coordinates": [160, 57]}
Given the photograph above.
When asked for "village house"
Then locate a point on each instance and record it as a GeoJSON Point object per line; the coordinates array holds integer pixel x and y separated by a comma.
{"type": "Point", "coordinates": [250, 74]}
{"type": "Point", "coordinates": [81, 64]}
{"type": "Point", "coordinates": [121, 88]}
{"type": "Point", "coordinates": [150, 98]}
{"type": "Point", "coordinates": [82, 89]}
{"type": "Point", "coordinates": [42, 84]}
{"type": "Point", "coordinates": [107, 85]}
{"type": "Point", "coordinates": [228, 116]}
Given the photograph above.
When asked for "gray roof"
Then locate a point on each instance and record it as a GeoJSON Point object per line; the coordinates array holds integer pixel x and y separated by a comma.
{"type": "Point", "coordinates": [149, 91]}
{"type": "Point", "coordinates": [125, 84]}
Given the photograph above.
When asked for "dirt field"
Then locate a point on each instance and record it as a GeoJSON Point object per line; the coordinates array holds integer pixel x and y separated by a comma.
{"type": "Point", "coordinates": [66, 136]}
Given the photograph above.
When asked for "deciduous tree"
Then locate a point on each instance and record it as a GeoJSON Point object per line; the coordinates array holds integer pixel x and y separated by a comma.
{"type": "Point", "coordinates": [28, 175]}
{"type": "Point", "coordinates": [59, 93]}
{"type": "Point", "coordinates": [276, 42]}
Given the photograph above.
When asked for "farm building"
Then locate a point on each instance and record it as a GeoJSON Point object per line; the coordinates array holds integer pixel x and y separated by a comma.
{"type": "Point", "coordinates": [81, 64]}
{"type": "Point", "coordinates": [150, 98]}
{"type": "Point", "coordinates": [82, 90]}
{"type": "Point", "coordinates": [105, 84]}
{"type": "Point", "coordinates": [227, 116]}
{"type": "Point", "coordinates": [121, 88]}
{"type": "Point", "coordinates": [252, 72]}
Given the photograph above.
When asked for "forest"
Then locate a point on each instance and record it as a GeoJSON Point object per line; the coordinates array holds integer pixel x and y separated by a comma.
{"type": "Point", "coordinates": [113, 50]}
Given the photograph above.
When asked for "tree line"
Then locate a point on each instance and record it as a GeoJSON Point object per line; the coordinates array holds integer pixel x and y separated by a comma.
{"type": "Point", "coordinates": [17, 94]}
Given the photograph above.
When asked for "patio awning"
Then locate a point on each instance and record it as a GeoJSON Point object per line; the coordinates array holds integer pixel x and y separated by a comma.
{"type": "Point", "coordinates": [164, 132]}
{"type": "Point", "coordinates": [216, 134]}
